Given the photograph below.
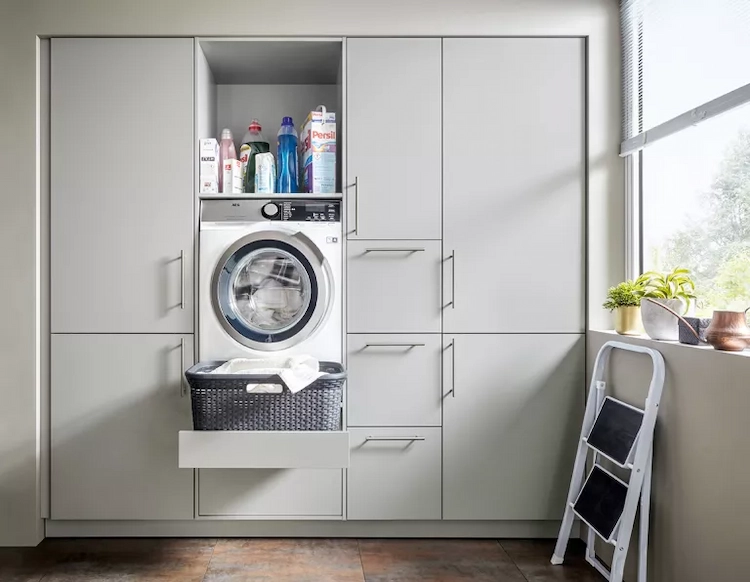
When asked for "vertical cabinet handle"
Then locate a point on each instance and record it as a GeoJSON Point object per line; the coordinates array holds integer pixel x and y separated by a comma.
{"type": "Point", "coordinates": [452, 259]}
{"type": "Point", "coordinates": [356, 205]}
{"type": "Point", "coordinates": [183, 388]}
{"type": "Point", "coordinates": [182, 279]}
{"type": "Point", "coordinates": [452, 347]}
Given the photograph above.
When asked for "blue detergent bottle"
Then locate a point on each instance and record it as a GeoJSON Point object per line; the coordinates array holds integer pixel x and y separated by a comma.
{"type": "Point", "coordinates": [286, 156]}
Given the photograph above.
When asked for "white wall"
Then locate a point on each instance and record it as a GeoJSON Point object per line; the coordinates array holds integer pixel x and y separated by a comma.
{"type": "Point", "coordinates": [23, 21]}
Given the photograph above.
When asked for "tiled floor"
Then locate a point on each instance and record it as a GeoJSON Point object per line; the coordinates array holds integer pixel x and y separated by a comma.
{"type": "Point", "coordinates": [284, 560]}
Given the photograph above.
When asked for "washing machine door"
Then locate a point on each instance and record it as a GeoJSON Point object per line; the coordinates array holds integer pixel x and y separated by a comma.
{"type": "Point", "coordinates": [272, 289]}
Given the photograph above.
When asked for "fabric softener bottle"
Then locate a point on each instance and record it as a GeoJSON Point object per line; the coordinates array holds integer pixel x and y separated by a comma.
{"type": "Point", "coordinates": [252, 144]}
{"type": "Point", "coordinates": [286, 158]}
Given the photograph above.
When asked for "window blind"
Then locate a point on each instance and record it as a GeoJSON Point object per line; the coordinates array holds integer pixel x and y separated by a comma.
{"type": "Point", "coordinates": [684, 61]}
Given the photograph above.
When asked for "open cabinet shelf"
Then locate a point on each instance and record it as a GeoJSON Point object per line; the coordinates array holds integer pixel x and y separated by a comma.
{"type": "Point", "coordinates": [238, 80]}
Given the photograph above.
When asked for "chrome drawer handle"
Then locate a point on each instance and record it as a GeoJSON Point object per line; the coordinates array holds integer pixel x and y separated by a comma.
{"type": "Point", "coordinates": [395, 438]}
{"type": "Point", "coordinates": [394, 250]}
{"type": "Point", "coordinates": [394, 346]}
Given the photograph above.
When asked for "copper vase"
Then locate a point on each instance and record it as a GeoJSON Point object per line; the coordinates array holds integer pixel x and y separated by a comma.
{"type": "Point", "coordinates": [729, 331]}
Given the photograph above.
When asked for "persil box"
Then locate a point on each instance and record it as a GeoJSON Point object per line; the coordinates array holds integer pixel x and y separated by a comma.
{"type": "Point", "coordinates": [318, 145]}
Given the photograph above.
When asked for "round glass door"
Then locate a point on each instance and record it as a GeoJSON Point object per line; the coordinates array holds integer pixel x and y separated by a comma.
{"type": "Point", "coordinates": [267, 291]}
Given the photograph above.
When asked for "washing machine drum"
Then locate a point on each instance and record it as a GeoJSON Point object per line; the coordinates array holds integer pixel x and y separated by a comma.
{"type": "Point", "coordinates": [271, 290]}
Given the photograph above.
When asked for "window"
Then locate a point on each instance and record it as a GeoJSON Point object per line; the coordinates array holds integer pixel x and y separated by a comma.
{"type": "Point", "coordinates": [687, 132]}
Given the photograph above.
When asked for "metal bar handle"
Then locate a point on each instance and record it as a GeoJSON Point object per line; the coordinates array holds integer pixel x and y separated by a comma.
{"type": "Point", "coordinates": [386, 345]}
{"type": "Point", "coordinates": [452, 258]}
{"type": "Point", "coordinates": [395, 250]}
{"type": "Point", "coordinates": [182, 279]}
{"type": "Point", "coordinates": [452, 347]}
{"type": "Point", "coordinates": [395, 438]}
{"type": "Point", "coordinates": [183, 389]}
{"type": "Point", "coordinates": [355, 230]}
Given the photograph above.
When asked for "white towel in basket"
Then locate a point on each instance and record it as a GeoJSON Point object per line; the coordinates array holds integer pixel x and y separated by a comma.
{"type": "Point", "coordinates": [297, 372]}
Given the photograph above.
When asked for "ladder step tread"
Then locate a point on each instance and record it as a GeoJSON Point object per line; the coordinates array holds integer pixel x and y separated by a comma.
{"type": "Point", "coordinates": [615, 430]}
{"type": "Point", "coordinates": [601, 502]}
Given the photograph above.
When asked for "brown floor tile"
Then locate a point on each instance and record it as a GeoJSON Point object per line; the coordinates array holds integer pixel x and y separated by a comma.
{"type": "Point", "coordinates": [285, 560]}
{"type": "Point", "coordinates": [533, 559]}
{"type": "Point", "coordinates": [437, 561]}
{"type": "Point", "coordinates": [121, 560]}
{"type": "Point", "coordinates": [24, 564]}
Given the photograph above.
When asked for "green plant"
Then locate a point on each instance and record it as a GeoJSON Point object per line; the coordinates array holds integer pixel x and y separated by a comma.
{"type": "Point", "coordinates": [675, 285]}
{"type": "Point", "coordinates": [625, 294]}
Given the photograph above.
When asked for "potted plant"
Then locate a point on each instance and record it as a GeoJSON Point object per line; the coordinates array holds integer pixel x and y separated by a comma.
{"type": "Point", "coordinates": [625, 300]}
{"type": "Point", "coordinates": [675, 290]}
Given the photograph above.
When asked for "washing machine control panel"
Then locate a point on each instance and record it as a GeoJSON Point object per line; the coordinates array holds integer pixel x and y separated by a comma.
{"type": "Point", "coordinates": [303, 210]}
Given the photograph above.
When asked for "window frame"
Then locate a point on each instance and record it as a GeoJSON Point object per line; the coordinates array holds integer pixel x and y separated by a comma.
{"type": "Point", "coordinates": [632, 146]}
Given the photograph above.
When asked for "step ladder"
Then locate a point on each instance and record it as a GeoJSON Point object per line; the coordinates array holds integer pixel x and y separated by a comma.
{"type": "Point", "coordinates": [623, 435]}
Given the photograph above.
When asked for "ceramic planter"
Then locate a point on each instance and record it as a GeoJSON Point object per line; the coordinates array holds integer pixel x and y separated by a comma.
{"type": "Point", "coordinates": [627, 320]}
{"type": "Point", "coordinates": [658, 323]}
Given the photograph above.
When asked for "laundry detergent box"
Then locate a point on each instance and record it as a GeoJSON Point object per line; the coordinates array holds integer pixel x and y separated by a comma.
{"type": "Point", "coordinates": [231, 181]}
{"type": "Point", "coordinates": [208, 151]}
{"type": "Point", "coordinates": [318, 152]}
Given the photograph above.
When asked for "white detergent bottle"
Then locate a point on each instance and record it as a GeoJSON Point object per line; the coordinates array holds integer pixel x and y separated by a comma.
{"type": "Point", "coordinates": [226, 152]}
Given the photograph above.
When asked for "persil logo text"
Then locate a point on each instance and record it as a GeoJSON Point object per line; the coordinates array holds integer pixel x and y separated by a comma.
{"type": "Point", "coordinates": [324, 135]}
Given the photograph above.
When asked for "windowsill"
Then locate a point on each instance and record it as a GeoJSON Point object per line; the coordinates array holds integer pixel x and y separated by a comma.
{"type": "Point", "coordinates": [645, 340]}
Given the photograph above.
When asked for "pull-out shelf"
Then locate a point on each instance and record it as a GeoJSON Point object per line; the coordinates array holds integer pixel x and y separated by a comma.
{"type": "Point", "coordinates": [221, 449]}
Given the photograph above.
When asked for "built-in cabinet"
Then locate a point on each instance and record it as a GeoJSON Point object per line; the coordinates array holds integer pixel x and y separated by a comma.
{"type": "Point", "coordinates": [121, 276]}
{"type": "Point", "coordinates": [121, 185]}
{"type": "Point", "coordinates": [464, 183]}
{"type": "Point", "coordinates": [118, 403]}
{"type": "Point", "coordinates": [510, 198]}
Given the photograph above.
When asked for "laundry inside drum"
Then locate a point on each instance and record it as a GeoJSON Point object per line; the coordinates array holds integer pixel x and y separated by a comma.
{"type": "Point", "coordinates": [270, 290]}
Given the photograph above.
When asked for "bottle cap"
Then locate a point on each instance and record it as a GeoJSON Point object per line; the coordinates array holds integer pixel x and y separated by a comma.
{"type": "Point", "coordinates": [254, 125]}
{"type": "Point", "coordinates": [226, 133]}
{"type": "Point", "coordinates": [287, 121]}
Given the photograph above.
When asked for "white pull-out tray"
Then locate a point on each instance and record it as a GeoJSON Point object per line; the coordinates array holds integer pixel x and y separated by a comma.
{"type": "Point", "coordinates": [220, 449]}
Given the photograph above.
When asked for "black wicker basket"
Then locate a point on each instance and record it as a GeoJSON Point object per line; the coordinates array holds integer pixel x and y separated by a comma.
{"type": "Point", "coordinates": [222, 402]}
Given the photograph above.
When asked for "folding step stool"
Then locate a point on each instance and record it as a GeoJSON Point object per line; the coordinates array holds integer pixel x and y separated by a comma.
{"type": "Point", "coordinates": [623, 435]}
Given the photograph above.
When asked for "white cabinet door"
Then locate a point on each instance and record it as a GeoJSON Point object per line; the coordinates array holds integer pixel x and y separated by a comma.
{"type": "Point", "coordinates": [394, 474]}
{"type": "Point", "coordinates": [118, 404]}
{"type": "Point", "coordinates": [122, 185]}
{"type": "Point", "coordinates": [514, 179]}
{"type": "Point", "coordinates": [393, 138]}
{"type": "Point", "coordinates": [511, 420]}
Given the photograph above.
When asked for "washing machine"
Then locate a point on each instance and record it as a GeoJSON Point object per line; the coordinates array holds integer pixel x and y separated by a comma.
{"type": "Point", "coordinates": [270, 278]}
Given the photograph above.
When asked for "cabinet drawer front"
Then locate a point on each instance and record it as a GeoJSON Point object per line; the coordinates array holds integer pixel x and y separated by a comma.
{"type": "Point", "coordinates": [227, 449]}
{"type": "Point", "coordinates": [394, 474]}
{"type": "Point", "coordinates": [268, 493]}
{"type": "Point", "coordinates": [394, 286]}
{"type": "Point", "coordinates": [394, 380]}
